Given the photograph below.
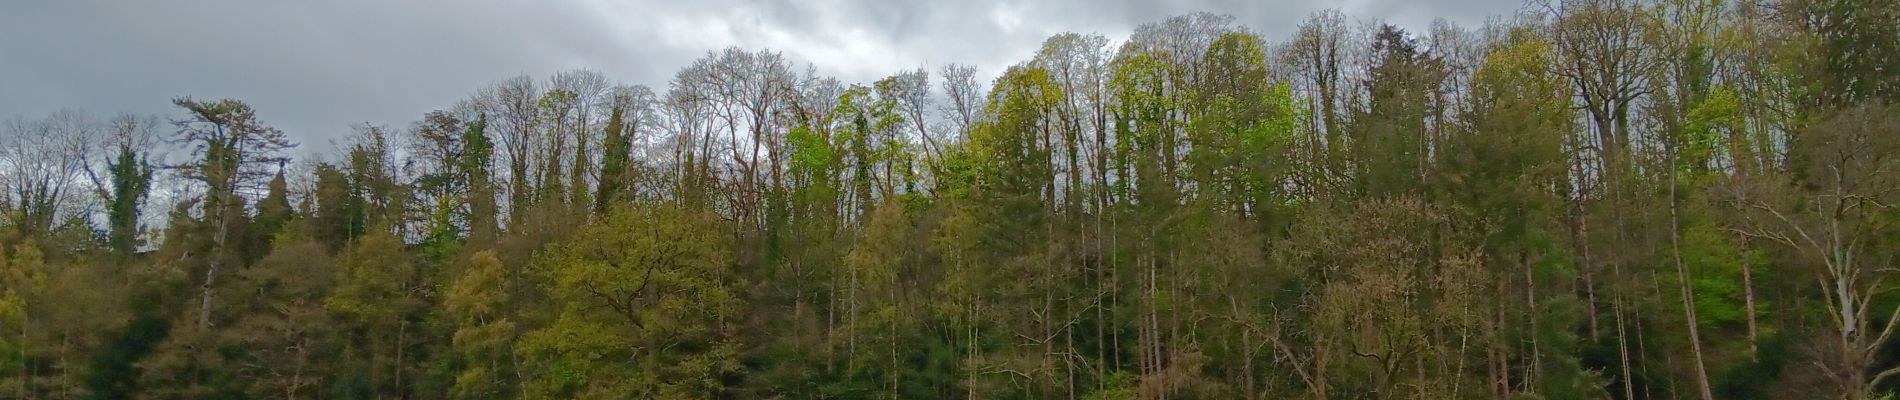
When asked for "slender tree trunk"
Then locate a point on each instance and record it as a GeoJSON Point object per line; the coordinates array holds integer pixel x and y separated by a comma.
{"type": "Point", "coordinates": [1115, 291]}
{"type": "Point", "coordinates": [1154, 317]}
{"type": "Point", "coordinates": [296, 374]}
{"type": "Point", "coordinates": [216, 257]}
{"type": "Point", "coordinates": [521, 391]}
{"type": "Point", "coordinates": [851, 320]}
{"type": "Point", "coordinates": [976, 310]}
{"type": "Point", "coordinates": [1048, 288]}
{"type": "Point", "coordinates": [1101, 302]}
{"type": "Point", "coordinates": [26, 363]}
{"type": "Point", "coordinates": [1642, 347]}
{"type": "Point", "coordinates": [1622, 339]}
{"type": "Point", "coordinates": [1748, 297]}
{"type": "Point", "coordinates": [1068, 357]}
{"type": "Point", "coordinates": [1246, 350]}
{"type": "Point", "coordinates": [1532, 367]}
{"type": "Point", "coordinates": [402, 331]}
{"type": "Point", "coordinates": [66, 365]}
{"type": "Point", "coordinates": [798, 302]}
{"type": "Point", "coordinates": [896, 368]}
{"type": "Point", "coordinates": [1687, 291]}
{"type": "Point", "coordinates": [1588, 267]}
{"type": "Point", "coordinates": [1500, 365]}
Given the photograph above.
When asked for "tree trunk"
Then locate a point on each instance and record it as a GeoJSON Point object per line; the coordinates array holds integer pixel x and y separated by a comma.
{"type": "Point", "coordinates": [1687, 291]}
{"type": "Point", "coordinates": [26, 366]}
{"type": "Point", "coordinates": [1748, 297]}
{"type": "Point", "coordinates": [402, 333]}
{"type": "Point", "coordinates": [1531, 368]}
{"type": "Point", "coordinates": [1622, 338]}
{"type": "Point", "coordinates": [216, 257]}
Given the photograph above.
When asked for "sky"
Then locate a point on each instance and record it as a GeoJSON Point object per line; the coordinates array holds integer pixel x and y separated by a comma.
{"type": "Point", "coordinates": [313, 68]}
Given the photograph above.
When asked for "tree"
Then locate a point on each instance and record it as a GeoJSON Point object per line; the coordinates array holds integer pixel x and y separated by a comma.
{"type": "Point", "coordinates": [233, 150]}
{"type": "Point", "coordinates": [647, 308]}
{"type": "Point", "coordinates": [1602, 53]}
{"type": "Point", "coordinates": [1390, 139]}
{"type": "Point", "coordinates": [379, 292]}
{"type": "Point", "coordinates": [1244, 122]}
{"type": "Point", "coordinates": [292, 344]}
{"type": "Point", "coordinates": [617, 151]}
{"type": "Point", "coordinates": [965, 96]}
{"type": "Point", "coordinates": [1506, 172]}
{"type": "Point", "coordinates": [274, 215]}
{"type": "Point", "coordinates": [512, 104]}
{"type": "Point", "coordinates": [484, 333]}
{"type": "Point", "coordinates": [1318, 52]}
{"type": "Point", "coordinates": [43, 160]}
{"type": "Point", "coordinates": [474, 165]}
{"type": "Point", "coordinates": [1833, 214]}
{"type": "Point", "coordinates": [129, 180]}
{"type": "Point", "coordinates": [374, 177]}
{"type": "Point", "coordinates": [22, 280]}
{"type": "Point", "coordinates": [337, 215]}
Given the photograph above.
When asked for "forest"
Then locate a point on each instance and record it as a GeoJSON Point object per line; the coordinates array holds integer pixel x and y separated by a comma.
{"type": "Point", "coordinates": [1587, 199]}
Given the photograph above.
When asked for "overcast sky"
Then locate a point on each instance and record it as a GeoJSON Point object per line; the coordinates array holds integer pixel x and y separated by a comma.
{"type": "Point", "coordinates": [314, 67]}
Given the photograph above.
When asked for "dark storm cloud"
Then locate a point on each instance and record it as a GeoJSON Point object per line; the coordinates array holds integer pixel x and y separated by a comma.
{"type": "Point", "coordinates": [315, 67]}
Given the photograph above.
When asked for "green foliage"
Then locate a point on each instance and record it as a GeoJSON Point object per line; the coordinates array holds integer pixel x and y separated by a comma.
{"type": "Point", "coordinates": [338, 212]}
{"type": "Point", "coordinates": [1715, 261]}
{"type": "Point", "coordinates": [812, 153]}
{"type": "Point", "coordinates": [20, 276]}
{"type": "Point", "coordinates": [477, 303]}
{"type": "Point", "coordinates": [131, 177]}
{"type": "Point", "coordinates": [646, 303]}
{"type": "Point", "coordinates": [1244, 123]}
{"type": "Point", "coordinates": [616, 153]}
{"type": "Point", "coordinates": [113, 372]}
{"type": "Point", "coordinates": [477, 151]}
{"type": "Point", "coordinates": [1711, 122]}
{"type": "Point", "coordinates": [1391, 130]}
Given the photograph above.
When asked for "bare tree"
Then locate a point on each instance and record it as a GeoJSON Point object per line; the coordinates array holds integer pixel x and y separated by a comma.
{"type": "Point", "coordinates": [42, 168]}
{"type": "Point", "coordinates": [1079, 65]}
{"type": "Point", "coordinates": [1315, 53]}
{"type": "Point", "coordinates": [911, 90]}
{"type": "Point", "coordinates": [510, 105]}
{"type": "Point", "coordinates": [965, 96]}
{"type": "Point", "coordinates": [592, 100]}
{"type": "Point", "coordinates": [1601, 50]}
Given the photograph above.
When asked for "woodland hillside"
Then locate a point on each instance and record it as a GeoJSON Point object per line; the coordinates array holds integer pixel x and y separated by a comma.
{"type": "Point", "coordinates": [1654, 199]}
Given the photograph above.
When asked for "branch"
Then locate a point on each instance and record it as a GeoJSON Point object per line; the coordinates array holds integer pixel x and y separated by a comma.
{"type": "Point", "coordinates": [1889, 373]}
{"type": "Point", "coordinates": [1893, 319]}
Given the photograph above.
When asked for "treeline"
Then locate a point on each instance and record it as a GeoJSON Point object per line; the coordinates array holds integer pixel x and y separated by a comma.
{"type": "Point", "coordinates": [1688, 199]}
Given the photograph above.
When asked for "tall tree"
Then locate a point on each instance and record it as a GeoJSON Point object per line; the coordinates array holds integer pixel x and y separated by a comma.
{"type": "Point", "coordinates": [234, 151]}
{"type": "Point", "coordinates": [43, 160]}
{"type": "Point", "coordinates": [474, 164]}
{"type": "Point", "coordinates": [129, 180]}
{"type": "Point", "coordinates": [617, 151]}
{"type": "Point", "coordinates": [1389, 137]}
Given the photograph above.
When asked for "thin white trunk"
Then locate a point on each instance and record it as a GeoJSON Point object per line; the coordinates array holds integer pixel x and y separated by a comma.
{"type": "Point", "coordinates": [1688, 294]}
{"type": "Point", "coordinates": [216, 256]}
{"type": "Point", "coordinates": [1748, 298]}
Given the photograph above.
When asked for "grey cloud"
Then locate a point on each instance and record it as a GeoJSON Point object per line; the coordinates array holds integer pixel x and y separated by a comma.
{"type": "Point", "coordinates": [313, 68]}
